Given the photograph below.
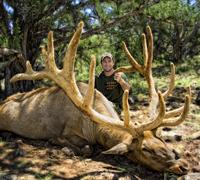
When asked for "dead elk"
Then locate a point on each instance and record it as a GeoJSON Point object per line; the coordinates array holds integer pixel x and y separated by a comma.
{"type": "Point", "coordinates": [77, 114]}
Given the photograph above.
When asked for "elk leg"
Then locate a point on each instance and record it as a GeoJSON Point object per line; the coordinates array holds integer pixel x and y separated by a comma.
{"type": "Point", "coordinates": [62, 141]}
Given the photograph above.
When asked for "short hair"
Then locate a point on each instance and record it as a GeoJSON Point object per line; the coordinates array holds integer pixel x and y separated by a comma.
{"type": "Point", "coordinates": [107, 55]}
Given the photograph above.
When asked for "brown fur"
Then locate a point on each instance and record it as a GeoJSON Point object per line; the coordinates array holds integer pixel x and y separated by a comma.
{"type": "Point", "coordinates": [48, 113]}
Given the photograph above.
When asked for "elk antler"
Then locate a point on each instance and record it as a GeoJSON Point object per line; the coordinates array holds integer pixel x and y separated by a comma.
{"type": "Point", "coordinates": [169, 118]}
{"type": "Point", "coordinates": [65, 78]}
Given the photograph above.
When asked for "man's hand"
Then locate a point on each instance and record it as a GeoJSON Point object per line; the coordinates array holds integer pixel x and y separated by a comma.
{"type": "Point", "coordinates": [121, 81]}
{"type": "Point", "coordinates": [118, 77]}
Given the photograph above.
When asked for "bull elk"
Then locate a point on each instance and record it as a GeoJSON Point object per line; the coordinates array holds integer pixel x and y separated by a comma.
{"type": "Point", "coordinates": [77, 114]}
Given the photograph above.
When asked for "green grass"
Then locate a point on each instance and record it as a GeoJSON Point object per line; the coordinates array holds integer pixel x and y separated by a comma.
{"type": "Point", "coordinates": [49, 176]}
{"type": "Point", "coordinates": [187, 74]}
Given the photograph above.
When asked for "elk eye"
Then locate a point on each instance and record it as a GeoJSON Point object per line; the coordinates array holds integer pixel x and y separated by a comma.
{"type": "Point", "coordinates": [146, 150]}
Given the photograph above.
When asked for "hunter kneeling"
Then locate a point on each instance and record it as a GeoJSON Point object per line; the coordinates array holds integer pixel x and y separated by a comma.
{"type": "Point", "coordinates": [112, 85]}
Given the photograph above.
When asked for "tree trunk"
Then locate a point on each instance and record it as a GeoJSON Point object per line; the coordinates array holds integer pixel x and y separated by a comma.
{"type": "Point", "coordinates": [177, 45]}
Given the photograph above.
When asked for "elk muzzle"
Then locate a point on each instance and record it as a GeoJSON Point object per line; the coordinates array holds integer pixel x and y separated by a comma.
{"type": "Point", "coordinates": [179, 166]}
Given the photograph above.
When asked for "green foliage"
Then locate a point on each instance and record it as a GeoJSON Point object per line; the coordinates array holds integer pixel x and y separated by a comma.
{"type": "Point", "coordinates": [49, 176]}
{"type": "Point", "coordinates": [175, 25]}
{"type": "Point", "coordinates": [3, 41]}
{"type": "Point", "coordinates": [191, 64]}
{"type": "Point", "coordinates": [139, 85]}
{"type": "Point", "coordinates": [15, 42]}
{"type": "Point", "coordinates": [170, 8]}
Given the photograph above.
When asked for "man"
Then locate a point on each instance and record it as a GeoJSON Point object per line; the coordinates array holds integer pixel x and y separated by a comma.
{"type": "Point", "coordinates": [110, 84]}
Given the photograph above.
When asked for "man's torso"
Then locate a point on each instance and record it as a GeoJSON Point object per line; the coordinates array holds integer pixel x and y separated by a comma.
{"type": "Point", "coordinates": [110, 88]}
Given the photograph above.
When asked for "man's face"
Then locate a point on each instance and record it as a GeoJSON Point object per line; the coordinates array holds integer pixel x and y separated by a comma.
{"type": "Point", "coordinates": [107, 64]}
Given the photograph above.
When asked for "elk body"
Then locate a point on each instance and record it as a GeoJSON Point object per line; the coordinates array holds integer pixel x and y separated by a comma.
{"type": "Point", "coordinates": [77, 114]}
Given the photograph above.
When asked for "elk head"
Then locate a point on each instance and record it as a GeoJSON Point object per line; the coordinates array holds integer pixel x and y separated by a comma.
{"type": "Point", "coordinates": [142, 145]}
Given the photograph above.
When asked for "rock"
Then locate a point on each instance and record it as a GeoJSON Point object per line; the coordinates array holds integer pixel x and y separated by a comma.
{"type": "Point", "coordinates": [174, 105]}
{"type": "Point", "coordinates": [19, 142]}
{"type": "Point", "coordinates": [69, 161]}
{"type": "Point", "coordinates": [55, 152]}
{"type": "Point", "coordinates": [190, 176]}
{"type": "Point", "coordinates": [88, 160]}
{"type": "Point", "coordinates": [19, 152]}
{"type": "Point", "coordinates": [103, 175]}
{"type": "Point", "coordinates": [67, 151]}
{"type": "Point", "coordinates": [26, 176]}
{"type": "Point", "coordinates": [171, 136]}
{"type": "Point", "coordinates": [87, 151]}
{"type": "Point", "coordinates": [46, 144]}
{"type": "Point", "coordinates": [196, 169]}
{"type": "Point", "coordinates": [195, 135]}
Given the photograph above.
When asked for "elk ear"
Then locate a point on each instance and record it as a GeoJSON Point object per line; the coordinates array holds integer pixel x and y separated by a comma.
{"type": "Point", "coordinates": [120, 148]}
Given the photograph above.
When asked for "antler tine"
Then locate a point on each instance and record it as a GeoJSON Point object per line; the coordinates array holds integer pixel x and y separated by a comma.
{"type": "Point", "coordinates": [125, 69]}
{"type": "Point", "coordinates": [174, 113]}
{"type": "Point", "coordinates": [88, 99]}
{"type": "Point", "coordinates": [134, 64]}
{"type": "Point", "coordinates": [69, 62]}
{"type": "Point", "coordinates": [131, 59]}
{"type": "Point", "coordinates": [189, 92]}
{"type": "Point", "coordinates": [145, 51]}
{"type": "Point", "coordinates": [144, 70]}
{"type": "Point", "coordinates": [29, 69]}
{"type": "Point", "coordinates": [172, 82]}
{"type": "Point", "coordinates": [178, 120]}
{"type": "Point", "coordinates": [44, 55]}
{"type": "Point", "coordinates": [148, 70]}
{"type": "Point", "coordinates": [30, 74]}
{"type": "Point", "coordinates": [178, 111]}
{"type": "Point", "coordinates": [150, 49]}
{"type": "Point", "coordinates": [69, 59]}
{"type": "Point", "coordinates": [126, 108]}
{"type": "Point", "coordinates": [50, 51]}
{"type": "Point", "coordinates": [158, 120]}
{"type": "Point", "coordinates": [154, 99]}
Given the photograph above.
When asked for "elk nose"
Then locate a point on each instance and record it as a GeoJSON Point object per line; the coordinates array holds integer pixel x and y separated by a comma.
{"type": "Point", "coordinates": [179, 167]}
{"type": "Point", "coordinates": [184, 169]}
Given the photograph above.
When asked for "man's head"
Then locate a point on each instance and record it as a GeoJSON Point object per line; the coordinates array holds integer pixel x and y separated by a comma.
{"type": "Point", "coordinates": [107, 62]}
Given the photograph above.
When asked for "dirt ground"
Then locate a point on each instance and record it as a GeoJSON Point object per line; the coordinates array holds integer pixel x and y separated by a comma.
{"type": "Point", "coordinates": [27, 159]}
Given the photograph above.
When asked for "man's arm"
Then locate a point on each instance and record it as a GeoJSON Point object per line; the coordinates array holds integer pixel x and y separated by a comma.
{"type": "Point", "coordinates": [125, 85]}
